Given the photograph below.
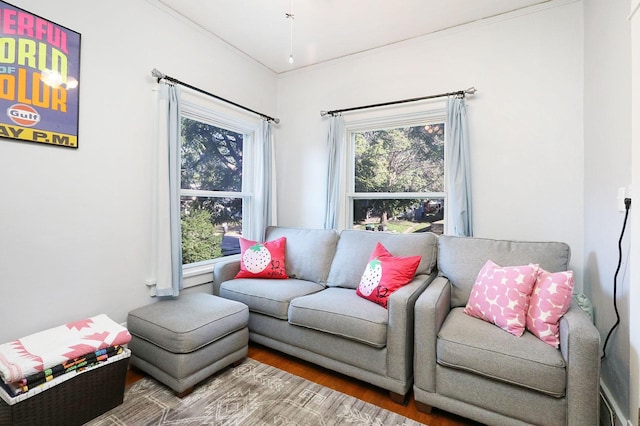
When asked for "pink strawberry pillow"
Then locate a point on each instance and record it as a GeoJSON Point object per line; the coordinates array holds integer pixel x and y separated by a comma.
{"type": "Point", "coordinates": [262, 260]}
{"type": "Point", "coordinates": [549, 301]}
{"type": "Point", "coordinates": [500, 295]}
{"type": "Point", "coordinates": [384, 274]}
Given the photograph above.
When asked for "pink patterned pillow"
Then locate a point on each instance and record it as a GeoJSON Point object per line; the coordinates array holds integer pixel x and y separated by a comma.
{"type": "Point", "coordinates": [549, 301]}
{"type": "Point", "coordinates": [500, 295]}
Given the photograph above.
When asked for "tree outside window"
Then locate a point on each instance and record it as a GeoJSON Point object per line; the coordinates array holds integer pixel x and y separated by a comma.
{"type": "Point", "coordinates": [211, 191]}
{"type": "Point", "coordinates": [398, 179]}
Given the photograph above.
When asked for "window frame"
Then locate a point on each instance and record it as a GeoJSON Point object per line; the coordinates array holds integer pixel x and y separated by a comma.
{"type": "Point", "coordinates": [387, 121]}
{"type": "Point", "coordinates": [213, 114]}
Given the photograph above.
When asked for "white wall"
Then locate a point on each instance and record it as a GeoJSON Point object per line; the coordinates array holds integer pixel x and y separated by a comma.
{"type": "Point", "coordinates": [525, 120]}
{"type": "Point", "coordinates": [74, 224]}
{"type": "Point", "coordinates": [634, 291]}
{"type": "Point", "coordinates": [607, 139]}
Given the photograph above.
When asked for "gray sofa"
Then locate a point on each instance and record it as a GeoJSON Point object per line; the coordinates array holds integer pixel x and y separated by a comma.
{"type": "Point", "coordinates": [317, 316]}
{"type": "Point", "coordinates": [472, 368]}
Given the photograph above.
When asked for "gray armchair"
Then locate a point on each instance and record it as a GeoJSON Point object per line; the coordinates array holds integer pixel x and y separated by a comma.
{"type": "Point", "coordinates": [474, 369]}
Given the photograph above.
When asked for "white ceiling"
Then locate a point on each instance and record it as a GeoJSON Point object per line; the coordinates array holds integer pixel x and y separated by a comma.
{"type": "Point", "coordinates": [328, 29]}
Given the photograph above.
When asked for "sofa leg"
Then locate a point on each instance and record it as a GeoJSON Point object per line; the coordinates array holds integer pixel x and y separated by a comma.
{"type": "Point", "coordinates": [424, 408]}
{"type": "Point", "coordinates": [184, 392]}
{"type": "Point", "coordinates": [399, 398]}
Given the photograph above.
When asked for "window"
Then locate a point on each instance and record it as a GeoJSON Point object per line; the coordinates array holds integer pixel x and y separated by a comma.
{"type": "Point", "coordinates": [396, 173]}
{"type": "Point", "coordinates": [215, 195]}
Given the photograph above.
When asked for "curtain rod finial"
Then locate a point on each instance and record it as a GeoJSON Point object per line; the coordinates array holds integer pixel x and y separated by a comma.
{"type": "Point", "coordinates": [276, 120]}
{"type": "Point", "coordinates": [470, 90]}
{"type": "Point", "coordinates": [156, 73]}
{"type": "Point", "coordinates": [323, 113]}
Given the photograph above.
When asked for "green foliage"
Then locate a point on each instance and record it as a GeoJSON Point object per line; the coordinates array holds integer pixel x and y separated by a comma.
{"type": "Point", "coordinates": [200, 241]}
{"type": "Point", "coordinates": [409, 159]}
{"type": "Point", "coordinates": [211, 157]}
{"type": "Point", "coordinates": [211, 161]}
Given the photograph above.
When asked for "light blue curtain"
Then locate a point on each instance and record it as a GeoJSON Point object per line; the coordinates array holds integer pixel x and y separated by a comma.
{"type": "Point", "coordinates": [264, 197]}
{"type": "Point", "coordinates": [335, 141]}
{"type": "Point", "coordinates": [168, 237]}
{"type": "Point", "coordinates": [459, 212]}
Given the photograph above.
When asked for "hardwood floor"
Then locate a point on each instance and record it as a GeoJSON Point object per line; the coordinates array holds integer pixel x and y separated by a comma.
{"type": "Point", "coordinates": [341, 383]}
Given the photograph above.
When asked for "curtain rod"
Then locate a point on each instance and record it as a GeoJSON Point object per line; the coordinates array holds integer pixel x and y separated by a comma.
{"type": "Point", "coordinates": [469, 91]}
{"type": "Point", "coordinates": [160, 76]}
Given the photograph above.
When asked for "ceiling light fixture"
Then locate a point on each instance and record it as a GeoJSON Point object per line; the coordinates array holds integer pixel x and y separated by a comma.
{"type": "Point", "coordinates": [291, 17]}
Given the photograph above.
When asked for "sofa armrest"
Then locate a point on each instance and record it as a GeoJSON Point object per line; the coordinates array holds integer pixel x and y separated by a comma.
{"type": "Point", "coordinates": [400, 328]}
{"type": "Point", "coordinates": [580, 347]}
{"type": "Point", "coordinates": [432, 307]}
{"type": "Point", "coordinates": [224, 271]}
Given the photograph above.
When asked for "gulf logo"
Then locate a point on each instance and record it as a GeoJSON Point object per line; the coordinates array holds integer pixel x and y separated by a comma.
{"type": "Point", "coordinates": [23, 115]}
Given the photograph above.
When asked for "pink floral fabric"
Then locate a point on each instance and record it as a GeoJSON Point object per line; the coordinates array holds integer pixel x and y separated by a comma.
{"type": "Point", "coordinates": [500, 295]}
{"type": "Point", "coordinates": [549, 301]}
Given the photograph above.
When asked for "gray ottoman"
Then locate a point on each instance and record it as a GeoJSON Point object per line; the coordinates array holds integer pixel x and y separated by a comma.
{"type": "Point", "coordinates": [182, 341]}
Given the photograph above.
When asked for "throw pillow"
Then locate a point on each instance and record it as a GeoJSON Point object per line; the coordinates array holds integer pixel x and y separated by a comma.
{"type": "Point", "coordinates": [262, 260]}
{"type": "Point", "coordinates": [549, 301]}
{"type": "Point", "coordinates": [500, 295]}
{"type": "Point", "coordinates": [385, 274]}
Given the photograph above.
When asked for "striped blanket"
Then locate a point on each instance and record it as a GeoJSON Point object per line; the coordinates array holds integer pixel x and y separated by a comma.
{"type": "Point", "coordinates": [44, 350]}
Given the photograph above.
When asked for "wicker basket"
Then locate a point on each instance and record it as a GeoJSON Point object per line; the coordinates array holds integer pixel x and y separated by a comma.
{"type": "Point", "coordinates": [72, 402]}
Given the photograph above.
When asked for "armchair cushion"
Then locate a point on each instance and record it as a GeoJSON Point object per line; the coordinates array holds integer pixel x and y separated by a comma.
{"type": "Point", "coordinates": [460, 259]}
{"type": "Point", "coordinates": [473, 345]}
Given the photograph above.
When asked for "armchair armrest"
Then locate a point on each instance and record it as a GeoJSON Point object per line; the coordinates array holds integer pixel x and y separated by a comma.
{"type": "Point", "coordinates": [400, 329]}
{"type": "Point", "coordinates": [224, 271]}
{"type": "Point", "coordinates": [432, 307]}
{"type": "Point", "coordinates": [580, 347]}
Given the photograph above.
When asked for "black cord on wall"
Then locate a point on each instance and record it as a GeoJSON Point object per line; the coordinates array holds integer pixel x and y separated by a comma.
{"type": "Point", "coordinates": [627, 205]}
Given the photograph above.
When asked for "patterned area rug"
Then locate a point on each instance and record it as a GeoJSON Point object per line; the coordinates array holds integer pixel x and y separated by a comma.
{"type": "Point", "coordinates": [249, 394]}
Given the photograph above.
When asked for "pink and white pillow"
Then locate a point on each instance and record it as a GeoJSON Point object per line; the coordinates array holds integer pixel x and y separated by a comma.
{"type": "Point", "coordinates": [550, 300]}
{"type": "Point", "coordinates": [500, 295]}
{"type": "Point", "coordinates": [262, 260]}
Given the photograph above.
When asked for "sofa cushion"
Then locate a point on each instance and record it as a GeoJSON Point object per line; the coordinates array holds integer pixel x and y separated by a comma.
{"type": "Point", "coordinates": [308, 253]}
{"type": "Point", "coordinates": [341, 312]}
{"type": "Point", "coordinates": [461, 258]}
{"type": "Point", "coordinates": [550, 300]}
{"type": "Point", "coordinates": [473, 345]}
{"type": "Point", "coordinates": [501, 295]}
{"type": "Point", "coordinates": [355, 247]}
{"type": "Point", "coordinates": [263, 260]}
{"type": "Point", "coordinates": [269, 297]}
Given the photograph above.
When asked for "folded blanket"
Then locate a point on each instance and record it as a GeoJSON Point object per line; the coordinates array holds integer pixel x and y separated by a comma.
{"type": "Point", "coordinates": [76, 364]}
{"type": "Point", "coordinates": [46, 349]}
{"type": "Point", "coordinates": [65, 367]}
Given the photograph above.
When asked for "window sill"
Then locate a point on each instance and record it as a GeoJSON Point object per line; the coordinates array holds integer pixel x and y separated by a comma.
{"type": "Point", "coordinates": [196, 274]}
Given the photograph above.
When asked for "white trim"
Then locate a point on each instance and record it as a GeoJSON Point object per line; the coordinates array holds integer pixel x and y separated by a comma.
{"type": "Point", "coordinates": [194, 274]}
{"type": "Point", "coordinates": [618, 414]}
{"type": "Point", "coordinates": [634, 9]}
{"type": "Point", "coordinates": [394, 195]}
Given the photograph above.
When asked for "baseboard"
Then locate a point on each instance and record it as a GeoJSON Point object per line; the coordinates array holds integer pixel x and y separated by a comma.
{"type": "Point", "coordinates": [609, 407]}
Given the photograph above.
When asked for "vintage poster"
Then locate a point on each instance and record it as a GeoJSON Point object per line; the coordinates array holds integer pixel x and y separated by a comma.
{"type": "Point", "coordinates": [39, 79]}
